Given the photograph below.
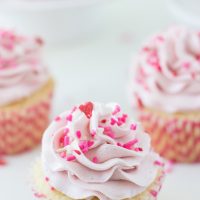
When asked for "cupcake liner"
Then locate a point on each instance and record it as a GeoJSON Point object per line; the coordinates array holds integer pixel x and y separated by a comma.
{"type": "Point", "coordinates": [22, 123]}
{"type": "Point", "coordinates": [175, 136]}
{"type": "Point", "coordinates": [43, 190]}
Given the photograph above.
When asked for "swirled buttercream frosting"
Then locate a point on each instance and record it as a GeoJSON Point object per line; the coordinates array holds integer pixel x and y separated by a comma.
{"type": "Point", "coordinates": [166, 71]}
{"type": "Point", "coordinates": [95, 150]}
{"type": "Point", "coordinates": [22, 71]}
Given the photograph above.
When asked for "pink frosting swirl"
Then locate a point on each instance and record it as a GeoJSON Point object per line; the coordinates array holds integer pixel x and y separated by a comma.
{"type": "Point", "coordinates": [22, 71]}
{"type": "Point", "coordinates": [166, 72]}
{"type": "Point", "coordinates": [96, 150]}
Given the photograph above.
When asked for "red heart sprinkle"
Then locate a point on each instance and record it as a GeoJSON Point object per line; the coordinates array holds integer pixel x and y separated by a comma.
{"type": "Point", "coordinates": [87, 109]}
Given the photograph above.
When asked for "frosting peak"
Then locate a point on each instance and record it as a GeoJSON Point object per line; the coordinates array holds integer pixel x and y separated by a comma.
{"type": "Point", "coordinates": [22, 71]}
{"type": "Point", "coordinates": [167, 70]}
{"type": "Point", "coordinates": [96, 150]}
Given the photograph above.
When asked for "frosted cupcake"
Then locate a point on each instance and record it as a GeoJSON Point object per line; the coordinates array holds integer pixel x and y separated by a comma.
{"type": "Point", "coordinates": [165, 87]}
{"type": "Point", "coordinates": [25, 90]}
{"type": "Point", "coordinates": [94, 151]}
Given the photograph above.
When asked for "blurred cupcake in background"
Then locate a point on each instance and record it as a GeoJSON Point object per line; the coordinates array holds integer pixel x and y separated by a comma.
{"type": "Point", "coordinates": [95, 151]}
{"type": "Point", "coordinates": [165, 87]}
{"type": "Point", "coordinates": [25, 92]}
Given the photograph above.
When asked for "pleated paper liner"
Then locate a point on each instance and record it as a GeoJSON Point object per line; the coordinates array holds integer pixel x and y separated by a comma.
{"type": "Point", "coordinates": [22, 123]}
{"type": "Point", "coordinates": [43, 190]}
{"type": "Point", "coordinates": [174, 136]}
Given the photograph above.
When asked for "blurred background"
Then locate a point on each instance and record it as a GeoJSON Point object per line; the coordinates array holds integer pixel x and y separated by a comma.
{"type": "Point", "coordinates": [89, 46]}
{"type": "Point", "coordinates": [67, 21]}
{"type": "Point", "coordinates": [89, 43]}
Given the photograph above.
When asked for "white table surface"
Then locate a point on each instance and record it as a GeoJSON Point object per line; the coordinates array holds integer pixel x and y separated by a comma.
{"type": "Point", "coordinates": [98, 70]}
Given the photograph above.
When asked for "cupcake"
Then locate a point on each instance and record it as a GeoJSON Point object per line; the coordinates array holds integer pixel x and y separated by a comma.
{"type": "Point", "coordinates": [165, 87]}
{"type": "Point", "coordinates": [25, 92]}
{"type": "Point", "coordinates": [94, 151]}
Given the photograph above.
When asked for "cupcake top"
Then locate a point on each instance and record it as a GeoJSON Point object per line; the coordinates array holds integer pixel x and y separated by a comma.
{"type": "Point", "coordinates": [166, 71]}
{"type": "Point", "coordinates": [96, 150]}
{"type": "Point", "coordinates": [22, 71]}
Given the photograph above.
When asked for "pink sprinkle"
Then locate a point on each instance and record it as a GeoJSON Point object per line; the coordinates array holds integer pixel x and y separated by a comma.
{"type": "Point", "coordinates": [78, 152]}
{"type": "Point", "coordinates": [66, 131]}
{"type": "Point", "coordinates": [119, 118]}
{"type": "Point", "coordinates": [95, 159]}
{"type": "Point", "coordinates": [66, 140]}
{"type": "Point", "coordinates": [90, 143]}
{"type": "Point", "coordinates": [123, 118]}
{"type": "Point", "coordinates": [154, 193]}
{"type": "Point", "coordinates": [157, 162]}
{"type": "Point", "coordinates": [193, 75]}
{"type": "Point", "coordinates": [113, 121]}
{"type": "Point", "coordinates": [39, 40]}
{"type": "Point", "coordinates": [46, 179]}
{"type": "Point", "coordinates": [85, 150]}
{"type": "Point", "coordinates": [107, 128]}
{"type": "Point", "coordinates": [61, 140]}
{"type": "Point", "coordinates": [63, 154]}
{"type": "Point", "coordinates": [160, 38]}
{"type": "Point", "coordinates": [78, 134]}
{"type": "Point", "coordinates": [117, 109]}
{"type": "Point", "coordinates": [69, 117]}
{"type": "Point", "coordinates": [83, 145]}
{"type": "Point", "coordinates": [71, 158]}
{"type": "Point", "coordinates": [154, 61]}
{"type": "Point", "coordinates": [39, 195]}
{"type": "Point", "coordinates": [129, 144]}
{"type": "Point", "coordinates": [74, 109]}
{"type": "Point", "coordinates": [198, 58]}
{"type": "Point", "coordinates": [119, 144]}
{"type": "Point", "coordinates": [119, 122]}
{"type": "Point", "coordinates": [93, 133]}
{"type": "Point", "coordinates": [186, 65]}
{"type": "Point", "coordinates": [58, 118]}
{"type": "Point", "coordinates": [133, 127]}
{"type": "Point", "coordinates": [103, 121]}
{"type": "Point", "coordinates": [137, 149]}
{"type": "Point", "coordinates": [139, 102]}
{"type": "Point", "coordinates": [124, 115]}
{"type": "Point", "coordinates": [142, 73]}
{"type": "Point", "coordinates": [52, 188]}
{"type": "Point", "coordinates": [174, 72]}
{"type": "Point", "coordinates": [145, 49]}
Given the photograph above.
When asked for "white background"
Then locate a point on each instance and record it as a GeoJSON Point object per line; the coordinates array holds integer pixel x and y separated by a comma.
{"type": "Point", "coordinates": [97, 69]}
